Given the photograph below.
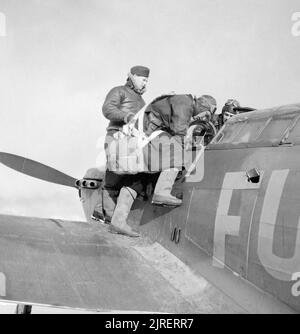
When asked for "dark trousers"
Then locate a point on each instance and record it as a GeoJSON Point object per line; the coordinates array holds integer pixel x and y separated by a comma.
{"type": "Point", "coordinates": [114, 181]}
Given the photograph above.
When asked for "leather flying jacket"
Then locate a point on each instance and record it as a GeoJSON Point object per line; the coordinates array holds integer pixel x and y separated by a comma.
{"type": "Point", "coordinates": [170, 113]}
{"type": "Point", "coordinates": [120, 103]}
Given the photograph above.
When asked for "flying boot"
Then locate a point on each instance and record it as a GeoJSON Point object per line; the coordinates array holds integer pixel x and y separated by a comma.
{"type": "Point", "coordinates": [124, 204]}
{"type": "Point", "coordinates": [98, 214]}
{"type": "Point", "coordinates": [110, 197]}
{"type": "Point", "coordinates": [162, 192]}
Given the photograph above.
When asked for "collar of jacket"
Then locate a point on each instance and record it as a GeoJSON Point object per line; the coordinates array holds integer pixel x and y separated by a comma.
{"type": "Point", "coordinates": [130, 84]}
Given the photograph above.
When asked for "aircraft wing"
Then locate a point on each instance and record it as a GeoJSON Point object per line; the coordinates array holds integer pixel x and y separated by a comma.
{"type": "Point", "coordinates": [80, 265]}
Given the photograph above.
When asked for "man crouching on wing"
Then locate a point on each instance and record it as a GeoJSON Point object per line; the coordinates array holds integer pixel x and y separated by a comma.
{"type": "Point", "coordinates": [173, 114]}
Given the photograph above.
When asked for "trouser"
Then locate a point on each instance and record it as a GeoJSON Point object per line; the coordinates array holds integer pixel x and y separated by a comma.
{"type": "Point", "coordinates": [115, 181]}
{"type": "Point", "coordinates": [113, 184]}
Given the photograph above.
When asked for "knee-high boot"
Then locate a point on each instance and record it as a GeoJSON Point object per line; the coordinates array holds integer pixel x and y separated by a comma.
{"type": "Point", "coordinates": [110, 197]}
{"type": "Point", "coordinates": [162, 192]}
{"type": "Point", "coordinates": [119, 218]}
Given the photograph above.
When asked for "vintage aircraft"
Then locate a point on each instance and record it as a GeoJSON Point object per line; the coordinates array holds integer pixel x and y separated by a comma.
{"type": "Point", "coordinates": [232, 247]}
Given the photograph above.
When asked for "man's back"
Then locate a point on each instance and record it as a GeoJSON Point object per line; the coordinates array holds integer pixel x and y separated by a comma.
{"type": "Point", "coordinates": [171, 113]}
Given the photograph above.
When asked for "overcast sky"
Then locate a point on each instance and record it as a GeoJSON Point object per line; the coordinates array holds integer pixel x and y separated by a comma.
{"type": "Point", "coordinates": [59, 58]}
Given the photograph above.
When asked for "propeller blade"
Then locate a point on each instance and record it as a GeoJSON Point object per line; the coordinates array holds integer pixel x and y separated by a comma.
{"type": "Point", "coordinates": [36, 169]}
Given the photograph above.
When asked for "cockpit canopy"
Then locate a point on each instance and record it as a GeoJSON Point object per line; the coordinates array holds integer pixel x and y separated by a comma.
{"type": "Point", "coordinates": [268, 127]}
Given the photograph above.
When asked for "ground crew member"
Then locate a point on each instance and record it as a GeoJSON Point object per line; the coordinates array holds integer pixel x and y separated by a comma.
{"type": "Point", "coordinates": [120, 106]}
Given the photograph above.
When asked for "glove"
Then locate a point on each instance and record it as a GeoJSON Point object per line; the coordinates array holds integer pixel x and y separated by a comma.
{"type": "Point", "coordinates": [203, 116]}
{"type": "Point", "coordinates": [128, 118]}
{"type": "Point", "coordinates": [127, 128]}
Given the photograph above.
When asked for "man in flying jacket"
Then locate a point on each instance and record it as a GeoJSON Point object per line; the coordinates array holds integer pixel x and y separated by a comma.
{"type": "Point", "coordinates": [120, 106]}
{"type": "Point", "coordinates": [173, 114]}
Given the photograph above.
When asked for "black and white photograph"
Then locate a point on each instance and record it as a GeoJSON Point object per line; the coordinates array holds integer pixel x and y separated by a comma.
{"type": "Point", "coordinates": [150, 159]}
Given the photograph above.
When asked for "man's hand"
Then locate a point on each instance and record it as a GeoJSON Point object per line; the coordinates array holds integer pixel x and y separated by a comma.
{"type": "Point", "coordinates": [203, 116]}
{"type": "Point", "coordinates": [127, 128]}
{"type": "Point", "coordinates": [130, 122]}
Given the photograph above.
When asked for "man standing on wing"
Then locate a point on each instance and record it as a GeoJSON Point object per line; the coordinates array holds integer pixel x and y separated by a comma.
{"type": "Point", "coordinates": [120, 190]}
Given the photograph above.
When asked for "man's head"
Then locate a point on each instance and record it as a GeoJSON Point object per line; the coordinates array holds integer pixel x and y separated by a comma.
{"type": "Point", "coordinates": [205, 104]}
{"type": "Point", "coordinates": [229, 109]}
{"type": "Point", "coordinates": [139, 77]}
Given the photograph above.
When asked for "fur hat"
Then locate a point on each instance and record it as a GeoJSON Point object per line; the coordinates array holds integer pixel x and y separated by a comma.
{"type": "Point", "coordinates": [141, 71]}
